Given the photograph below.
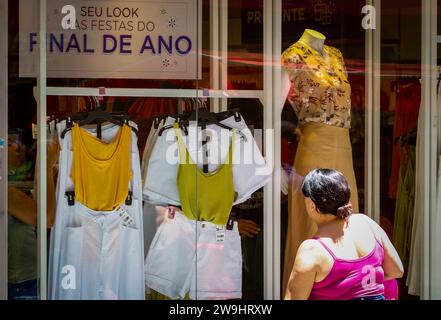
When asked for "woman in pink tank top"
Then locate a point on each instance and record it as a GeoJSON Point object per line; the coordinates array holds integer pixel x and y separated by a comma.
{"type": "Point", "coordinates": [350, 257]}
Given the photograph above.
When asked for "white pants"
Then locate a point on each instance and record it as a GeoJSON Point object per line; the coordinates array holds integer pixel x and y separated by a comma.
{"type": "Point", "coordinates": [185, 257]}
{"type": "Point", "coordinates": [92, 254]}
{"type": "Point", "coordinates": [101, 255]}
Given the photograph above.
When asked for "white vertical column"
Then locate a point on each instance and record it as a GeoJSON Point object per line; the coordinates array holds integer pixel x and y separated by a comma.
{"type": "Point", "coordinates": [373, 116]}
{"type": "Point", "coordinates": [376, 116]}
{"type": "Point", "coordinates": [278, 103]}
{"type": "Point", "coordinates": [223, 44]}
{"type": "Point", "coordinates": [41, 145]}
{"type": "Point", "coordinates": [4, 151]}
{"type": "Point", "coordinates": [268, 229]}
{"type": "Point", "coordinates": [369, 108]}
{"type": "Point", "coordinates": [435, 214]}
{"type": "Point", "coordinates": [425, 103]}
{"type": "Point", "coordinates": [214, 51]}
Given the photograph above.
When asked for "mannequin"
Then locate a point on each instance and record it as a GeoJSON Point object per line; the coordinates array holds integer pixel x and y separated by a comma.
{"type": "Point", "coordinates": [316, 85]}
{"type": "Point", "coordinates": [313, 39]}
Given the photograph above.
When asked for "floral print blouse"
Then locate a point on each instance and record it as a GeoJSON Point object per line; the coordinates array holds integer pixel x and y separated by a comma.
{"type": "Point", "coordinates": [320, 91]}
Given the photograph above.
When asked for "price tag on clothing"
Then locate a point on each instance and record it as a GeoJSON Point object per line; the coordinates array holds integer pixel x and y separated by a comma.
{"type": "Point", "coordinates": [220, 234]}
{"type": "Point", "coordinates": [2, 143]}
{"type": "Point", "coordinates": [126, 218]}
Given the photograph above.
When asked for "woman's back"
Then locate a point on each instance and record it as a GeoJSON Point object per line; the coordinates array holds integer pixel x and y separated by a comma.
{"type": "Point", "coordinates": [350, 257]}
{"type": "Point", "coordinates": [350, 261]}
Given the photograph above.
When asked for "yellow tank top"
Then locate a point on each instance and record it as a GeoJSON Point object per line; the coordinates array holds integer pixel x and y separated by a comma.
{"type": "Point", "coordinates": [205, 196]}
{"type": "Point", "coordinates": [101, 171]}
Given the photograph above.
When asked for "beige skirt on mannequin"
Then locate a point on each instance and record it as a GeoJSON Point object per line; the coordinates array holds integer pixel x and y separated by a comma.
{"type": "Point", "coordinates": [321, 146]}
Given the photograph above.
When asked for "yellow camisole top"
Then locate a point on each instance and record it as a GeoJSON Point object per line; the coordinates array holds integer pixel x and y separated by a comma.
{"type": "Point", "coordinates": [101, 172]}
{"type": "Point", "coordinates": [205, 196]}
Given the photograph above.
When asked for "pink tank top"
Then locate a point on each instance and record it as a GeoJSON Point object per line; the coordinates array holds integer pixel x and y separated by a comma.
{"type": "Point", "coordinates": [350, 279]}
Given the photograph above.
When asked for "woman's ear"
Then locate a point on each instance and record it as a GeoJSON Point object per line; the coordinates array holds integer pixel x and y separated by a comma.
{"type": "Point", "coordinates": [313, 206]}
{"type": "Point", "coordinates": [310, 205]}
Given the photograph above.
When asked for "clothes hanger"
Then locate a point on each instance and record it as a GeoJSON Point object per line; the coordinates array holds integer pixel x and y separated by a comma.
{"type": "Point", "coordinates": [183, 124]}
{"type": "Point", "coordinates": [235, 112]}
{"type": "Point", "coordinates": [204, 116]}
{"type": "Point", "coordinates": [97, 117]}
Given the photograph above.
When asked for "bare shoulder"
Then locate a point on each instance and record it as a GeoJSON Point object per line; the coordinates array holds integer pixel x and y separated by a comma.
{"type": "Point", "coordinates": [375, 227]}
{"type": "Point", "coordinates": [309, 245]}
{"type": "Point", "coordinates": [309, 254]}
{"type": "Point", "coordinates": [362, 217]}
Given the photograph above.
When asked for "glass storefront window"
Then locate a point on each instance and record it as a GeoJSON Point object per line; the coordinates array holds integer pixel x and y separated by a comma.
{"type": "Point", "coordinates": [178, 136]}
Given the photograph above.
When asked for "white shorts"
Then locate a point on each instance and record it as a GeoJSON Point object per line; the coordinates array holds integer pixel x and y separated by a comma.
{"type": "Point", "coordinates": [186, 257]}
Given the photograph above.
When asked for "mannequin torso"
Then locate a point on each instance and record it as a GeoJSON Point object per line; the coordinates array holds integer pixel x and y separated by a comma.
{"type": "Point", "coordinates": [318, 88]}
{"type": "Point", "coordinates": [314, 40]}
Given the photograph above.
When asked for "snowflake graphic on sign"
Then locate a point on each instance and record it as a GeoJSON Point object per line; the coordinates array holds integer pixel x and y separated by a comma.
{"type": "Point", "coordinates": [172, 23]}
{"type": "Point", "coordinates": [163, 11]}
{"type": "Point", "coordinates": [165, 63]}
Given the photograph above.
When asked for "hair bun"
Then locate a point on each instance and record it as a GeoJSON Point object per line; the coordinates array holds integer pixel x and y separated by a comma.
{"type": "Point", "coordinates": [345, 211]}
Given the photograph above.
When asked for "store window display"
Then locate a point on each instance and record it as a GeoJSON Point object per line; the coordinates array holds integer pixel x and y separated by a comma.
{"type": "Point", "coordinates": [329, 97]}
{"type": "Point", "coordinates": [320, 94]}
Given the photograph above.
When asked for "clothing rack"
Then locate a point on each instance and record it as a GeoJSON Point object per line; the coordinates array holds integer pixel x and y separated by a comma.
{"type": "Point", "coordinates": [160, 93]}
{"type": "Point", "coordinates": [164, 93]}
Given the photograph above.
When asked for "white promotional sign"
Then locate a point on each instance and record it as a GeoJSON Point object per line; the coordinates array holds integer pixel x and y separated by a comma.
{"type": "Point", "coordinates": [136, 39]}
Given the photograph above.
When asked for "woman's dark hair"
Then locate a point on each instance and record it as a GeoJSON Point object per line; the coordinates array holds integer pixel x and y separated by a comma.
{"type": "Point", "coordinates": [330, 192]}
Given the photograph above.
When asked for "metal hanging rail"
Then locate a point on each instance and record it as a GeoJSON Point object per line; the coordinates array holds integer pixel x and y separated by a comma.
{"type": "Point", "coordinates": [162, 93]}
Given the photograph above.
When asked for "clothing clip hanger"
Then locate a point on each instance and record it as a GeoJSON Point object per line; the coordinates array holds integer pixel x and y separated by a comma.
{"type": "Point", "coordinates": [97, 117]}
{"type": "Point", "coordinates": [178, 119]}
{"type": "Point", "coordinates": [237, 116]}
